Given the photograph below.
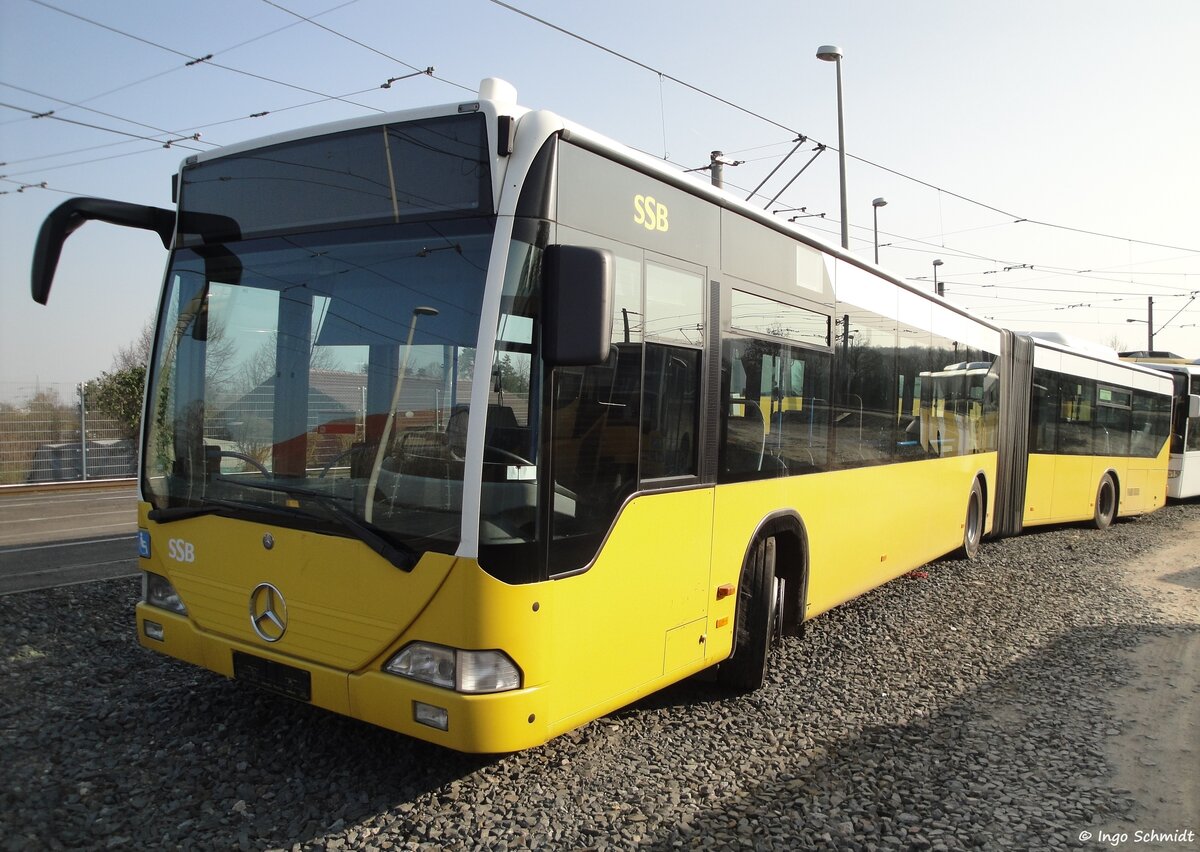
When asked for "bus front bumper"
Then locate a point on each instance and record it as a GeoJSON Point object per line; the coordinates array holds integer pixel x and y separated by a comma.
{"type": "Point", "coordinates": [489, 724]}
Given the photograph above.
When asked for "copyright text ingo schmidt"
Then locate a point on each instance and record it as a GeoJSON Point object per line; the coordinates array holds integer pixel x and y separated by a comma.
{"type": "Point", "coordinates": [1116, 838]}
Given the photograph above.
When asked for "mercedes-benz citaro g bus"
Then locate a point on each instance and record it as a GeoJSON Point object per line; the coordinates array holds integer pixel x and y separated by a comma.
{"type": "Point", "coordinates": [473, 424]}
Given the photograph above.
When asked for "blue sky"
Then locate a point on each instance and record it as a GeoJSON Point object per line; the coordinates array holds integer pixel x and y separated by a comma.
{"type": "Point", "coordinates": [1074, 114]}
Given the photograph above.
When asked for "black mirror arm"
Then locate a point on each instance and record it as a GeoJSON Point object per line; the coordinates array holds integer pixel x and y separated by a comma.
{"type": "Point", "coordinates": [70, 215]}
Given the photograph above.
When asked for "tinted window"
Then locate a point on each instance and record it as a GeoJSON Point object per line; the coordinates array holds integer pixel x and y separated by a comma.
{"type": "Point", "coordinates": [1043, 413]}
{"type": "Point", "coordinates": [1076, 405]}
{"type": "Point", "coordinates": [1151, 424]}
{"type": "Point", "coordinates": [674, 304]}
{"type": "Point", "coordinates": [865, 401]}
{"type": "Point", "coordinates": [766, 316]}
{"type": "Point", "coordinates": [1114, 419]}
{"type": "Point", "coordinates": [377, 174]}
{"type": "Point", "coordinates": [775, 410]}
{"type": "Point", "coordinates": [670, 411]}
{"type": "Point", "coordinates": [595, 428]}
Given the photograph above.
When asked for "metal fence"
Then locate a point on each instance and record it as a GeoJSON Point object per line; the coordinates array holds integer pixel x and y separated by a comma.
{"type": "Point", "coordinates": [51, 433]}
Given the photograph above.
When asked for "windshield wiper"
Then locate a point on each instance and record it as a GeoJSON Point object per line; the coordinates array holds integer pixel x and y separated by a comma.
{"type": "Point", "coordinates": [398, 553]}
{"type": "Point", "coordinates": [182, 513]}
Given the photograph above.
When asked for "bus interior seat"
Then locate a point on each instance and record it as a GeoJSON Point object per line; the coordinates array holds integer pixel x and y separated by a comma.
{"type": "Point", "coordinates": [745, 437]}
{"type": "Point", "coordinates": [504, 431]}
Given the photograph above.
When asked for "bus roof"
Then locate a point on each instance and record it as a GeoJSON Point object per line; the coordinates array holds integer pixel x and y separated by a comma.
{"type": "Point", "coordinates": [497, 97]}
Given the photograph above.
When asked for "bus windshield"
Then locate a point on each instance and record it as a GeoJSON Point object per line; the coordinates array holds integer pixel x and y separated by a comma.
{"type": "Point", "coordinates": [293, 373]}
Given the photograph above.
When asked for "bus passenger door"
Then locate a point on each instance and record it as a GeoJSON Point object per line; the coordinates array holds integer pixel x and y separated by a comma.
{"type": "Point", "coordinates": [1043, 444]}
{"type": "Point", "coordinates": [632, 556]}
{"type": "Point", "coordinates": [671, 440]}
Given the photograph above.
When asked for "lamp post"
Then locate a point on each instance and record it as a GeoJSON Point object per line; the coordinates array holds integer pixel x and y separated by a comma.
{"type": "Point", "coordinates": [833, 53]}
{"type": "Point", "coordinates": [937, 288]}
{"type": "Point", "coordinates": [1149, 321]}
{"type": "Point", "coordinates": [875, 205]}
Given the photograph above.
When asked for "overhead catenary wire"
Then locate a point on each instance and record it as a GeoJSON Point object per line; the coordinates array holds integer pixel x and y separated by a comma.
{"type": "Point", "coordinates": [54, 114]}
{"type": "Point", "coordinates": [733, 105]}
{"type": "Point", "coordinates": [21, 187]}
{"type": "Point", "coordinates": [194, 137]}
{"type": "Point", "coordinates": [662, 75]}
{"type": "Point", "coordinates": [50, 115]}
{"type": "Point", "coordinates": [428, 70]}
{"type": "Point", "coordinates": [205, 60]}
{"type": "Point", "coordinates": [1177, 313]}
{"type": "Point", "coordinates": [1040, 305]}
{"type": "Point", "coordinates": [80, 106]}
{"type": "Point", "coordinates": [206, 126]}
{"type": "Point", "coordinates": [174, 68]}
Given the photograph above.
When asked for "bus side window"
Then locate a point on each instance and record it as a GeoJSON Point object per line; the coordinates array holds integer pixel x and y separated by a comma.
{"type": "Point", "coordinates": [674, 319]}
{"type": "Point", "coordinates": [670, 411]}
{"type": "Point", "coordinates": [1075, 416]}
{"type": "Point", "coordinates": [746, 368]}
{"type": "Point", "coordinates": [775, 410]}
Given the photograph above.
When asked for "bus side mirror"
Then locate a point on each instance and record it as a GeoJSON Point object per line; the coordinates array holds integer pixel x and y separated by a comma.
{"type": "Point", "coordinates": [577, 285]}
{"type": "Point", "coordinates": [65, 219]}
{"type": "Point", "coordinates": [1194, 405]}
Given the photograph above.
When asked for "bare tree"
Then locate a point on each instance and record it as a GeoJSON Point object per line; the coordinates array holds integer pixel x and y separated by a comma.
{"type": "Point", "coordinates": [137, 353]}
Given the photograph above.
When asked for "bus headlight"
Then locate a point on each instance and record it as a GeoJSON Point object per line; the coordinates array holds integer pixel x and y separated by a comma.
{"type": "Point", "coordinates": [473, 672]}
{"type": "Point", "coordinates": [158, 591]}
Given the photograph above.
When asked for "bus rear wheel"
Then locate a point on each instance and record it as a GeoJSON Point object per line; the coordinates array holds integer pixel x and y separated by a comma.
{"type": "Point", "coordinates": [757, 622]}
{"type": "Point", "coordinates": [973, 524]}
{"type": "Point", "coordinates": [1106, 503]}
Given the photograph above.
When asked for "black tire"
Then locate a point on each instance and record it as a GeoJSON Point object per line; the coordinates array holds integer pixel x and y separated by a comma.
{"type": "Point", "coordinates": [973, 525]}
{"type": "Point", "coordinates": [756, 625]}
{"type": "Point", "coordinates": [1106, 503]}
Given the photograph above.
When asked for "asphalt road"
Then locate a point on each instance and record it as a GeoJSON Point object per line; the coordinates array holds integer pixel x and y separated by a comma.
{"type": "Point", "coordinates": [60, 537]}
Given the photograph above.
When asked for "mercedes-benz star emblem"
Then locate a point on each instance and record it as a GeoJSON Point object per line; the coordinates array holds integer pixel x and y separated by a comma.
{"type": "Point", "coordinates": [268, 612]}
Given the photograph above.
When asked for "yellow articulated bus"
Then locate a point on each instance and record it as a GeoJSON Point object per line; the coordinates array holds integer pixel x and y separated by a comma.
{"type": "Point", "coordinates": [1096, 438]}
{"type": "Point", "coordinates": [473, 424]}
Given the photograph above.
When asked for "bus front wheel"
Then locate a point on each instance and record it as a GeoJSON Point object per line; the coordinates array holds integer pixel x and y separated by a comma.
{"type": "Point", "coordinates": [758, 619]}
{"type": "Point", "coordinates": [1106, 503]}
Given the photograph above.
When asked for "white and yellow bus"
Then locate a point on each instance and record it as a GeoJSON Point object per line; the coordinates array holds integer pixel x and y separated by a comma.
{"type": "Point", "coordinates": [473, 424]}
{"type": "Point", "coordinates": [1183, 468]}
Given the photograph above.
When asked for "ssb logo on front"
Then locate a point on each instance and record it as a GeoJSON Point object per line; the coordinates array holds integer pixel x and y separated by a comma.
{"type": "Point", "coordinates": [181, 550]}
{"type": "Point", "coordinates": [650, 213]}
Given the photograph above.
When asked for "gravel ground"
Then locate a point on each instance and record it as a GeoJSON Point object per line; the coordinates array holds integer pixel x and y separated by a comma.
{"type": "Point", "coordinates": [966, 709]}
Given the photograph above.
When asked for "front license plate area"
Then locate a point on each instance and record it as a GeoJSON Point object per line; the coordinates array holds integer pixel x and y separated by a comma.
{"type": "Point", "coordinates": [270, 675]}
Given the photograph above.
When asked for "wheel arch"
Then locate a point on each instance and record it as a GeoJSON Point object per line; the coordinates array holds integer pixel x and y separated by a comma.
{"type": "Point", "coordinates": [981, 476]}
{"type": "Point", "coordinates": [986, 488]}
{"type": "Point", "coordinates": [791, 563]}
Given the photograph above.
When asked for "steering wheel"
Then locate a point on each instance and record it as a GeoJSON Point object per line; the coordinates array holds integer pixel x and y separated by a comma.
{"type": "Point", "coordinates": [250, 460]}
{"type": "Point", "coordinates": [329, 465]}
{"type": "Point", "coordinates": [495, 455]}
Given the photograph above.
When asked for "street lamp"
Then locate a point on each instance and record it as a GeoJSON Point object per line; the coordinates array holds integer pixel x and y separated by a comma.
{"type": "Point", "coordinates": [876, 204]}
{"type": "Point", "coordinates": [833, 53]}
{"type": "Point", "coordinates": [1149, 321]}
{"type": "Point", "coordinates": [1149, 334]}
{"type": "Point", "coordinates": [937, 288]}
